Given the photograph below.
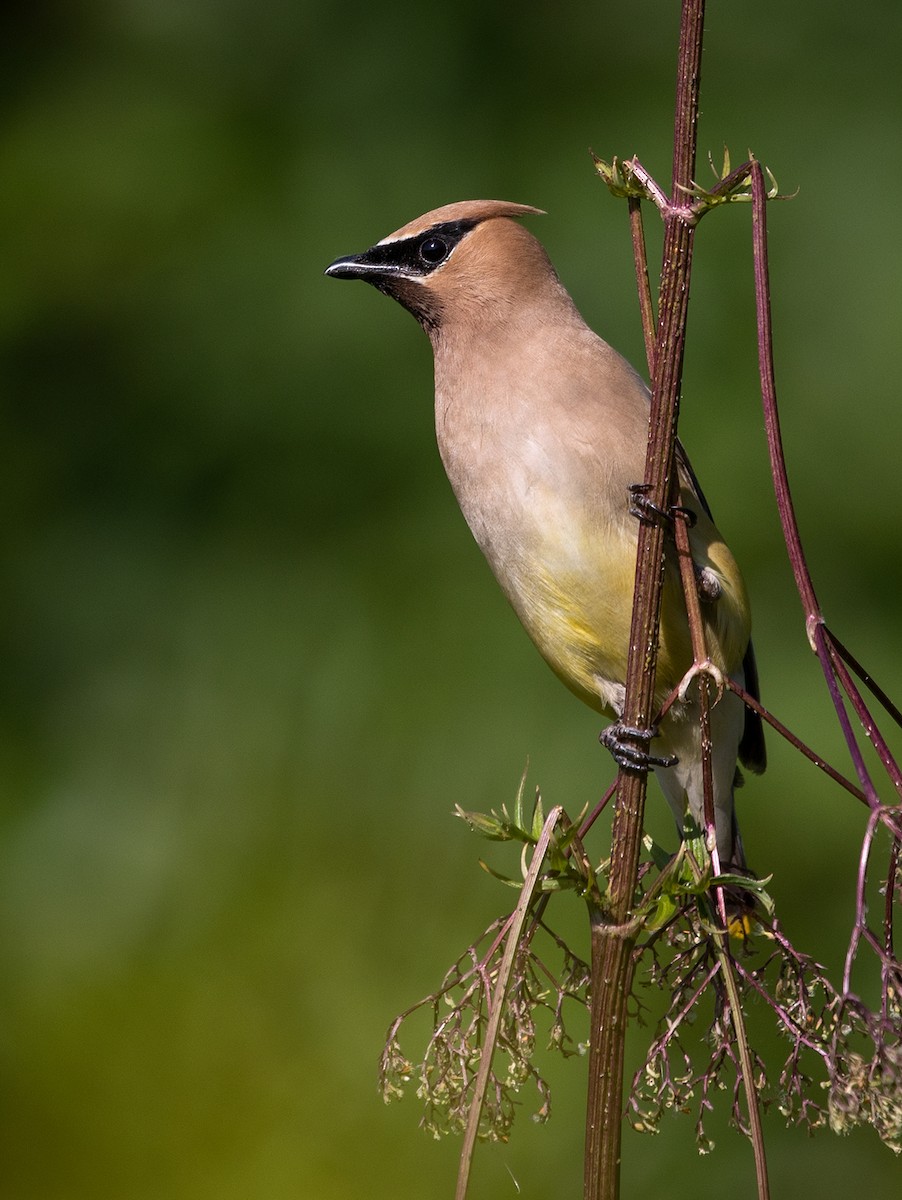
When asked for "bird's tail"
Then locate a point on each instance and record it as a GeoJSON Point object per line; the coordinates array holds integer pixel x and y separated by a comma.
{"type": "Point", "coordinates": [684, 785]}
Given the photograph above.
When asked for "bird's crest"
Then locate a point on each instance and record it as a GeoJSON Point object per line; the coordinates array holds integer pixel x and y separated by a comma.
{"type": "Point", "coordinates": [463, 210]}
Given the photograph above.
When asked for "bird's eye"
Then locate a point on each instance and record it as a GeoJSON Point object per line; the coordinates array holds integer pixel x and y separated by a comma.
{"type": "Point", "coordinates": [434, 250]}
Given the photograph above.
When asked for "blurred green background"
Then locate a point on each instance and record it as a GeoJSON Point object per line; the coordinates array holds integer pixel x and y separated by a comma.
{"type": "Point", "coordinates": [251, 656]}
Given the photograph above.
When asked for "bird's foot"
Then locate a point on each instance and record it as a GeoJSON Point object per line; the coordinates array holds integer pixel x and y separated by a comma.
{"type": "Point", "coordinates": [702, 668]}
{"type": "Point", "coordinates": [646, 510]}
{"type": "Point", "coordinates": [618, 739]}
{"type": "Point", "coordinates": [643, 508]}
{"type": "Point", "coordinates": [706, 580]}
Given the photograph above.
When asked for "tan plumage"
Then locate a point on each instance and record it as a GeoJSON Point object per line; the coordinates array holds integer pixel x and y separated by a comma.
{"type": "Point", "coordinates": [542, 427]}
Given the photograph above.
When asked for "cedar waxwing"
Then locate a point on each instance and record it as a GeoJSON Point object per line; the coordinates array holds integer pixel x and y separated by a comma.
{"type": "Point", "coordinates": [542, 428]}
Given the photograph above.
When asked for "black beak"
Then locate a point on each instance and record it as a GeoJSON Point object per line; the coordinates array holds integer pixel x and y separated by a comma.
{"type": "Point", "coordinates": [379, 262]}
{"type": "Point", "coordinates": [388, 268]}
{"type": "Point", "coordinates": [349, 267]}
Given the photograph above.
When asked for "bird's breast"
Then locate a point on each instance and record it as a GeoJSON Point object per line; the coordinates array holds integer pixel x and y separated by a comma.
{"type": "Point", "coordinates": [551, 517]}
{"type": "Point", "coordinates": [541, 460]}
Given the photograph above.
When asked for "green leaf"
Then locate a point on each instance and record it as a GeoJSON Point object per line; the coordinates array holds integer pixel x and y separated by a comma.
{"type": "Point", "coordinates": [660, 912]}
{"type": "Point", "coordinates": [514, 883]}
{"type": "Point", "coordinates": [519, 812]}
{"type": "Point", "coordinates": [538, 818]}
{"type": "Point", "coordinates": [489, 826]}
{"type": "Point", "coordinates": [659, 856]}
{"type": "Point", "coordinates": [618, 178]}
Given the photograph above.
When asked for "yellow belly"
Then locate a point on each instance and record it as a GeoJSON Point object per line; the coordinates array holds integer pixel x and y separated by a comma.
{"type": "Point", "coordinates": [575, 602]}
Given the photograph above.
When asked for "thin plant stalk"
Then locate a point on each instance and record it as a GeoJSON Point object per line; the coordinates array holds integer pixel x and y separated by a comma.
{"type": "Point", "coordinates": [830, 655]}
{"type": "Point", "coordinates": [612, 957]}
{"type": "Point", "coordinates": [514, 931]}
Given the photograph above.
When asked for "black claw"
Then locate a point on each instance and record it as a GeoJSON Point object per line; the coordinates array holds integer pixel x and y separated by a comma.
{"type": "Point", "coordinates": [647, 510]}
{"type": "Point", "coordinates": [642, 507]}
{"type": "Point", "coordinates": [630, 757]}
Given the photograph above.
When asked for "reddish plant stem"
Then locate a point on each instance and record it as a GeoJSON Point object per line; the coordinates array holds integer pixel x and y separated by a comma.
{"type": "Point", "coordinates": [862, 712]}
{"type": "Point", "coordinates": [834, 658]}
{"type": "Point", "coordinates": [700, 658]}
{"type": "Point", "coordinates": [866, 678]}
{"type": "Point", "coordinates": [612, 959]}
{"type": "Point", "coordinates": [643, 287]}
{"type": "Point", "coordinates": [888, 938]}
{"type": "Point", "coordinates": [769, 394]}
{"type": "Point", "coordinates": [831, 658]}
{"type": "Point", "coordinates": [790, 737]}
{"type": "Point", "coordinates": [681, 536]}
{"type": "Point", "coordinates": [861, 906]}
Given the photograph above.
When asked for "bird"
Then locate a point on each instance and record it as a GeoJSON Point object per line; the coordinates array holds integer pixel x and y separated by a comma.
{"type": "Point", "coordinates": [542, 428]}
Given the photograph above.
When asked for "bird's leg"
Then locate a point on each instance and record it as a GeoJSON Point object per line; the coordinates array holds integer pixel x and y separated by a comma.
{"type": "Point", "coordinates": [630, 757]}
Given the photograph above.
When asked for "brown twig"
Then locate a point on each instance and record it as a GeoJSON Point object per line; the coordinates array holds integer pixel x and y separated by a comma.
{"type": "Point", "coordinates": [612, 961]}
{"type": "Point", "coordinates": [643, 286]}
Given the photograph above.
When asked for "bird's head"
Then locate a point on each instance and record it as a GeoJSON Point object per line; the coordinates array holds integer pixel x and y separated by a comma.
{"type": "Point", "coordinates": [462, 261]}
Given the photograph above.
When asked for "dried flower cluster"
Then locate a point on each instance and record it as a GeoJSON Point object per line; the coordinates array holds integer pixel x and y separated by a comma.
{"type": "Point", "coordinates": [843, 1068]}
{"type": "Point", "coordinates": [444, 1078]}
